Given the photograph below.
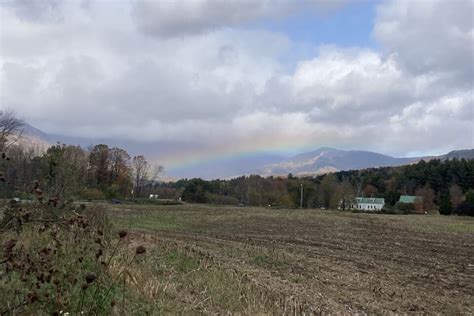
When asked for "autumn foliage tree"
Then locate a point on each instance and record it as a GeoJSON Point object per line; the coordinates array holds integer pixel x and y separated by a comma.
{"type": "Point", "coordinates": [120, 171]}
{"type": "Point", "coordinates": [99, 166]}
{"type": "Point", "coordinates": [428, 196]}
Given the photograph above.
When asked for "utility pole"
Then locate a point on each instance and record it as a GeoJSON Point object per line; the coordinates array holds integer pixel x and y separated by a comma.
{"type": "Point", "coordinates": [359, 187]}
{"type": "Point", "coordinates": [301, 195]}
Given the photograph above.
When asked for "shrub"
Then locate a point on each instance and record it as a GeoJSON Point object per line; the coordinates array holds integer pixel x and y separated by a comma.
{"type": "Point", "coordinates": [465, 208]}
{"type": "Point", "coordinates": [112, 192]}
{"type": "Point", "coordinates": [157, 201]}
{"type": "Point", "coordinates": [221, 199]}
{"type": "Point", "coordinates": [92, 194]}
{"type": "Point", "coordinates": [58, 256]}
{"type": "Point", "coordinates": [406, 207]}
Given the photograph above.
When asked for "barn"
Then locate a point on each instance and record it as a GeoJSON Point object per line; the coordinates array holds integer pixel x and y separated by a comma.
{"type": "Point", "coordinates": [416, 202]}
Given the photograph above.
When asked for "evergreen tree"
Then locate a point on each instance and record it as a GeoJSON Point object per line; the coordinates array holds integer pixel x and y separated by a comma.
{"type": "Point", "coordinates": [445, 206]}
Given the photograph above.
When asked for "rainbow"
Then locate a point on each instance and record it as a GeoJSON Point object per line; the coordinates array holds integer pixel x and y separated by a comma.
{"type": "Point", "coordinates": [185, 157]}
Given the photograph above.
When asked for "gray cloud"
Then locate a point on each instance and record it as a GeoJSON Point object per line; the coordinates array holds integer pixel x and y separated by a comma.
{"type": "Point", "coordinates": [178, 18]}
{"type": "Point", "coordinates": [429, 36]}
{"type": "Point", "coordinates": [95, 75]}
{"type": "Point", "coordinates": [44, 11]}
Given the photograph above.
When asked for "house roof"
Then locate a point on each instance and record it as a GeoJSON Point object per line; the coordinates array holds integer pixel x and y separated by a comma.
{"type": "Point", "coordinates": [410, 199]}
{"type": "Point", "coordinates": [370, 200]}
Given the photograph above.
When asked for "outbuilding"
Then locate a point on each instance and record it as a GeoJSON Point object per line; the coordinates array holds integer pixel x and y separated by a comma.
{"type": "Point", "coordinates": [413, 202]}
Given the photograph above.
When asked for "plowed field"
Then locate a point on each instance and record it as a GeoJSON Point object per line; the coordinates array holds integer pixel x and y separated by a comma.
{"type": "Point", "coordinates": [304, 261]}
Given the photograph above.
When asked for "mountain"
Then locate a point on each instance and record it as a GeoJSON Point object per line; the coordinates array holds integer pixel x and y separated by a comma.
{"type": "Point", "coordinates": [226, 168]}
{"type": "Point", "coordinates": [31, 131]}
{"type": "Point", "coordinates": [34, 138]}
{"type": "Point", "coordinates": [459, 154]}
{"type": "Point", "coordinates": [322, 160]}
{"type": "Point", "coordinates": [327, 159]}
{"type": "Point", "coordinates": [210, 169]}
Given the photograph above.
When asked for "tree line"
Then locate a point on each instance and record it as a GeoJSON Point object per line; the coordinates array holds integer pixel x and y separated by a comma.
{"type": "Point", "coordinates": [99, 172]}
{"type": "Point", "coordinates": [445, 186]}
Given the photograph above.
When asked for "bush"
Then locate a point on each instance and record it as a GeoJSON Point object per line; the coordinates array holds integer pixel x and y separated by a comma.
{"type": "Point", "coordinates": [465, 208]}
{"type": "Point", "coordinates": [390, 210]}
{"type": "Point", "coordinates": [157, 201]}
{"type": "Point", "coordinates": [92, 194]}
{"type": "Point", "coordinates": [406, 207]}
{"type": "Point", "coordinates": [61, 257]}
{"type": "Point", "coordinates": [221, 199]}
{"type": "Point", "coordinates": [112, 192]}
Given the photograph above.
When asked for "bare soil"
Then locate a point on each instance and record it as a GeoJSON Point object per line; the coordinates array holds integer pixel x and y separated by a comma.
{"type": "Point", "coordinates": [313, 261]}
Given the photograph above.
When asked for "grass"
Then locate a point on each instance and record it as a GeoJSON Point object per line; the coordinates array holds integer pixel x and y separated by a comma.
{"type": "Point", "coordinates": [250, 260]}
{"type": "Point", "coordinates": [177, 279]}
{"type": "Point", "coordinates": [196, 217]}
{"type": "Point", "coordinates": [146, 223]}
{"type": "Point", "coordinates": [442, 224]}
{"type": "Point", "coordinates": [255, 260]}
{"type": "Point", "coordinates": [180, 262]}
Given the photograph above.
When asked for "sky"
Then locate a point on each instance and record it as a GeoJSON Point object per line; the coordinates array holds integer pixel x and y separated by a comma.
{"type": "Point", "coordinates": [193, 80]}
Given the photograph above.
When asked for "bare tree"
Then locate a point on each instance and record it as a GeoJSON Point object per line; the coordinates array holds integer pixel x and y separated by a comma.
{"type": "Point", "coordinates": [140, 169]}
{"type": "Point", "coordinates": [456, 195]}
{"type": "Point", "coordinates": [155, 171]}
{"type": "Point", "coordinates": [10, 129]}
{"type": "Point", "coordinates": [428, 196]}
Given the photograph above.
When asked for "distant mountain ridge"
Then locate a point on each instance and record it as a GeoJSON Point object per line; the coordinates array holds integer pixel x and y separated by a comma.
{"type": "Point", "coordinates": [34, 138]}
{"type": "Point", "coordinates": [29, 130]}
{"type": "Point", "coordinates": [459, 154]}
{"type": "Point", "coordinates": [319, 161]}
{"type": "Point", "coordinates": [328, 159]}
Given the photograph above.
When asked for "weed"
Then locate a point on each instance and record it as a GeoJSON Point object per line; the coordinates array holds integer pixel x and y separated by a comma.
{"type": "Point", "coordinates": [56, 257]}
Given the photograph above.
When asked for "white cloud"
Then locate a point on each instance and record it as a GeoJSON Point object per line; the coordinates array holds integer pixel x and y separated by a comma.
{"type": "Point", "coordinates": [429, 36]}
{"type": "Point", "coordinates": [92, 74]}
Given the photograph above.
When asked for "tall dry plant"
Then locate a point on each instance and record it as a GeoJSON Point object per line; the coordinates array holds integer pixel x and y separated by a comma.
{"type": "Point", "coordinates": [57, 257]}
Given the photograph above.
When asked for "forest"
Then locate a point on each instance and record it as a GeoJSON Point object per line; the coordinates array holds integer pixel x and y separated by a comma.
{"type": "Point", "coordinates": [446, 186]}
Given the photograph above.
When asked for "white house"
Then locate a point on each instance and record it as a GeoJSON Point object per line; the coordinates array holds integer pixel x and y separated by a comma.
{"type": "Point", "coordinates": [368, 204]}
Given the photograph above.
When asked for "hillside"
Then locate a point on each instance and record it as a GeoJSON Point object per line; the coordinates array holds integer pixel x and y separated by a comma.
{"type": "Point", "coordinates": [459, 154]}
{"type": "Point", "coordinates": [327, 159]}
{"type": "Point", "coordinates": [34, 138]}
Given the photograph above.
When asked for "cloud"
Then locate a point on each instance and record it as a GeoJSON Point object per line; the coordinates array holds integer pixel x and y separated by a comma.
{"type": "Point", "coordinates": [429, 36]}
{"type": "Point", "coordinates": [93, 74]}
{"type": "Point", "coordinates": [179, 18]}
{"type": "Point", "coordinates": [48, 11]}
